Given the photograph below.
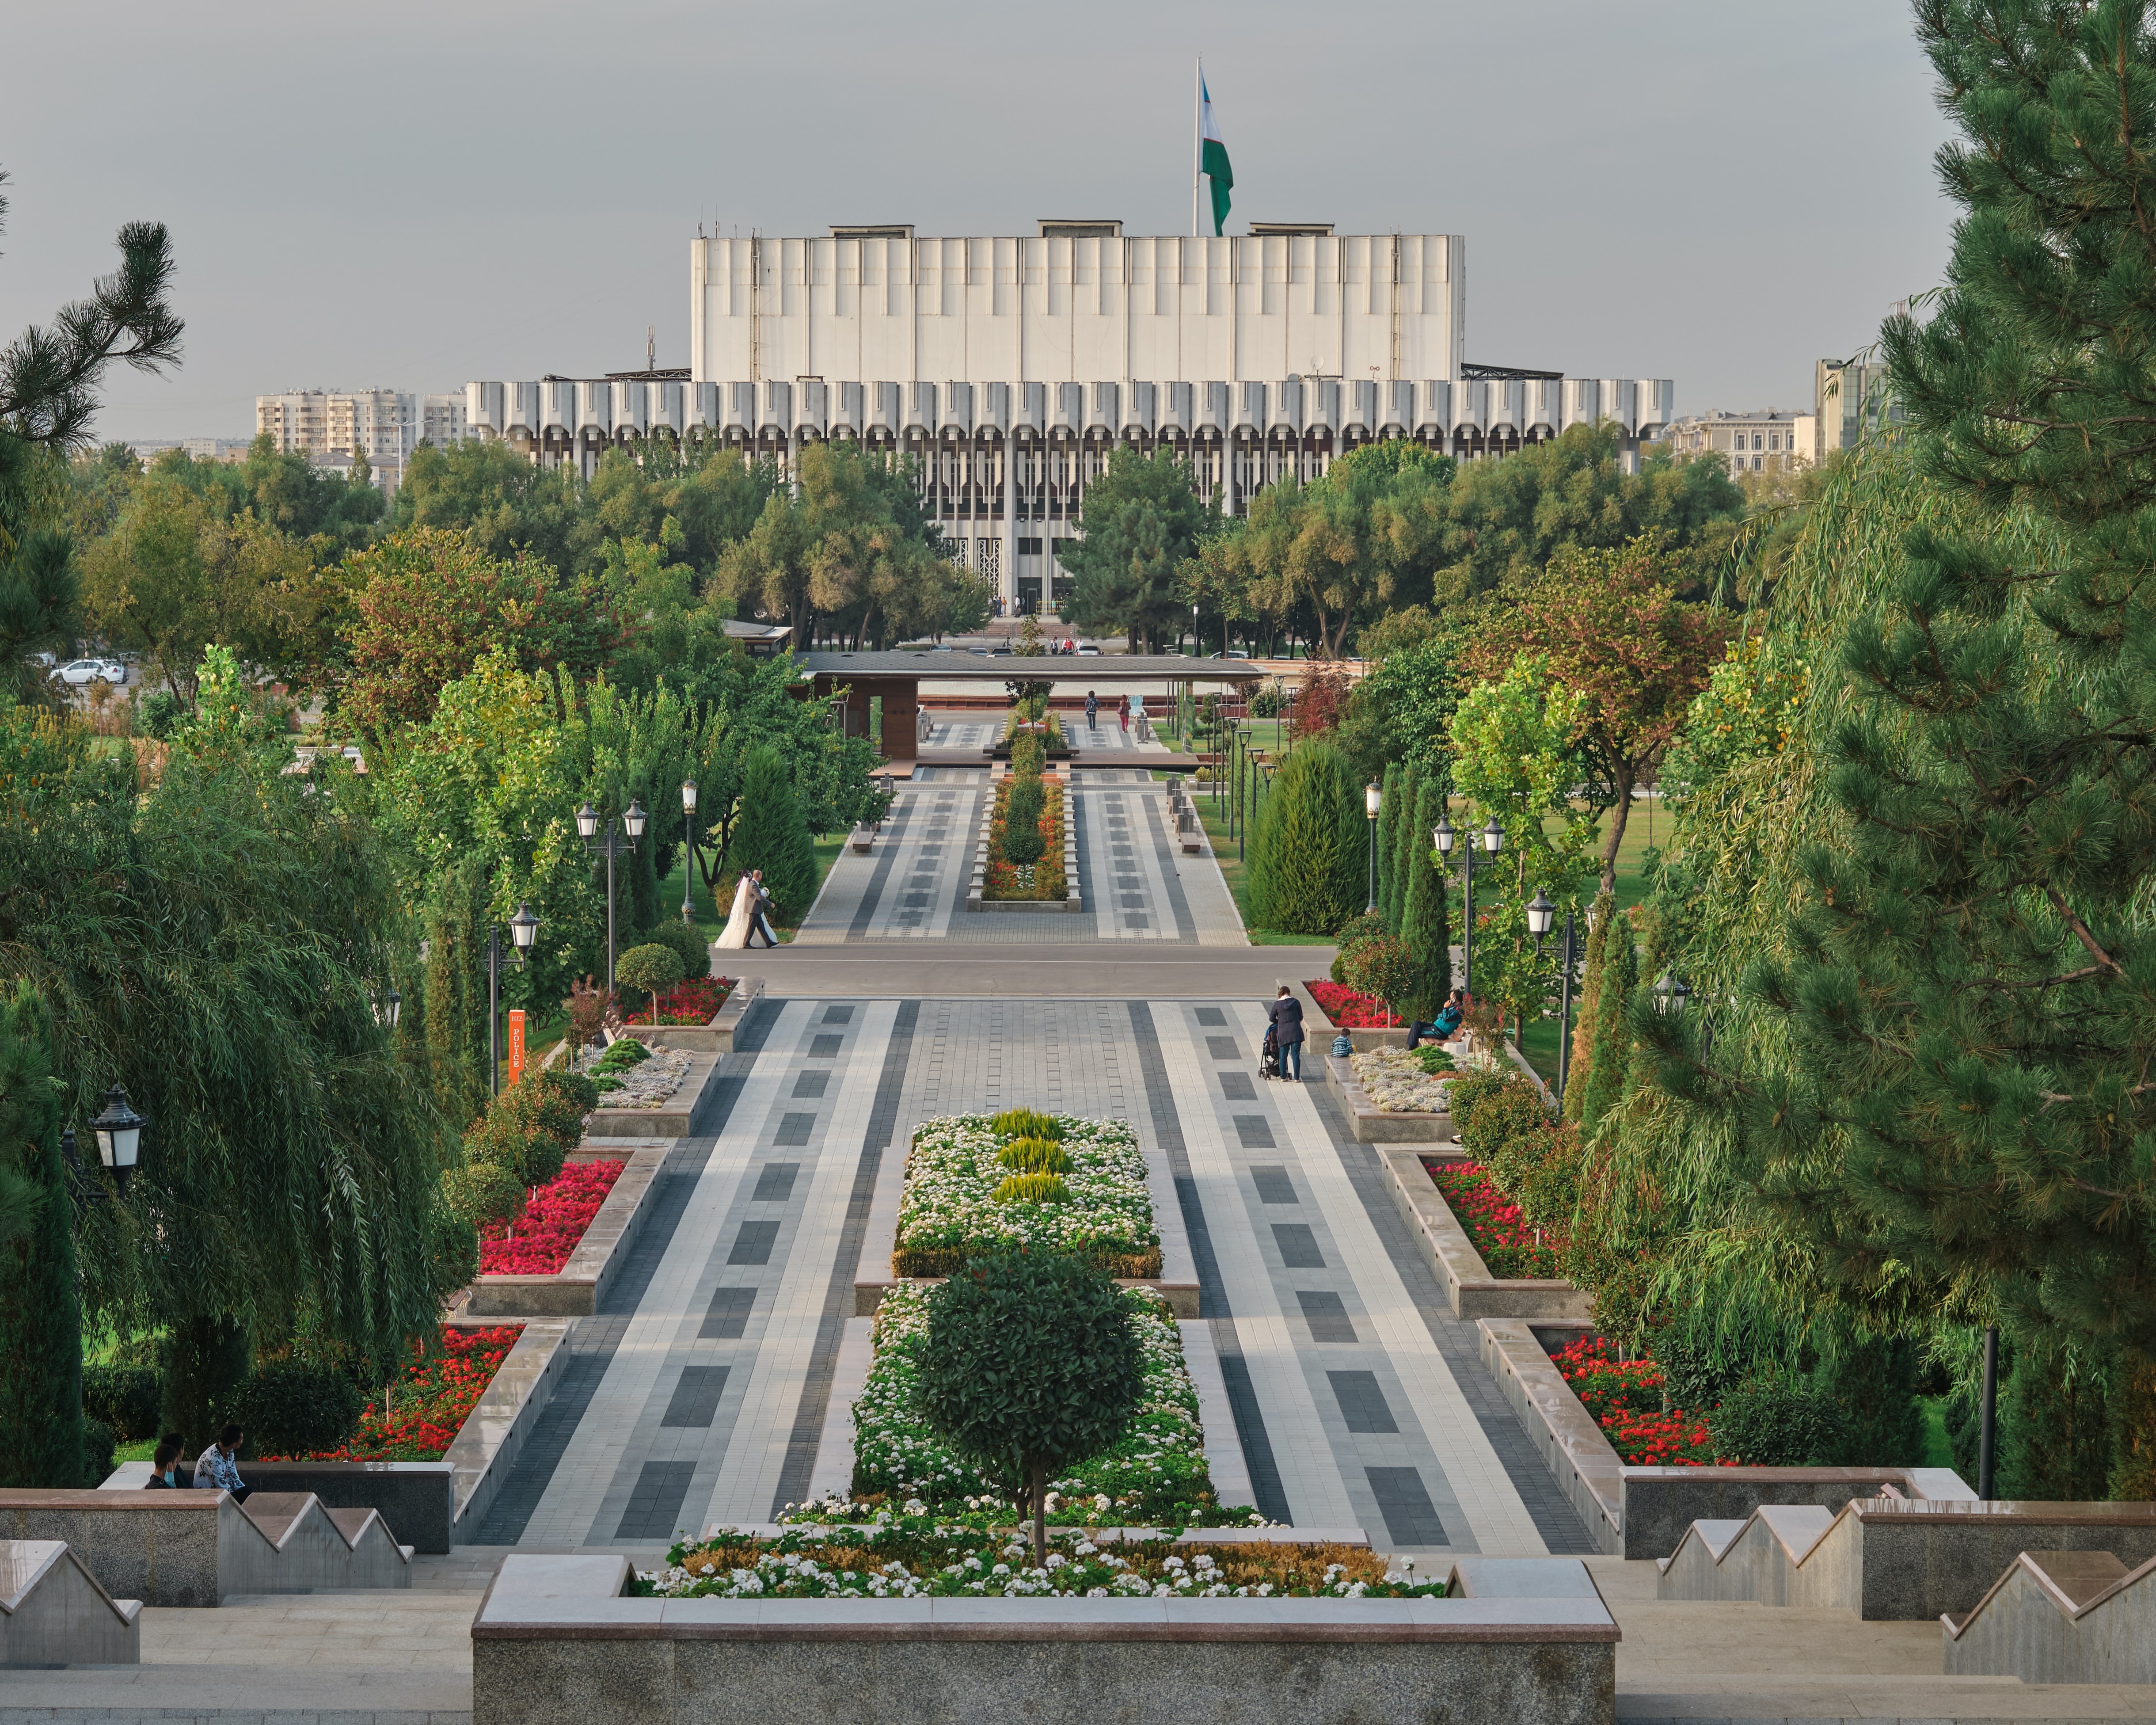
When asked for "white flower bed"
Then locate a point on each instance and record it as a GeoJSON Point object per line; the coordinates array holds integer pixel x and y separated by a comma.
{"type": "Point", "coordinates": [947, 1212]}
{"type": "Point", "coordinates": [649, 1082]}
{"type": "Point", "coordinates": [1155, 1475]}
{"type": "Point", "coordinates": [1395, 1083]}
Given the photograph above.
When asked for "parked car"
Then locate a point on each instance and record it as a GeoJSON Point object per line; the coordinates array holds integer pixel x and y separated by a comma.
{"type": "Point", "coordinates": [1089, 652]}
{"type": "Point", "coordinates": [80, 672]}
{"type": "Point", "coordinates": [116, 671]}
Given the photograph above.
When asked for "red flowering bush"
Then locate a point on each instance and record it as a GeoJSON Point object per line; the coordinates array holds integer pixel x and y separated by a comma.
{"type": "Point", "coordinates": [430, 1402]}
{"type": "Point", "coordinates": [538, 1239]}
{"type": "Point", "coordinates": [694, 1002]}
{"type": "Point", "coordinates": [1350, 1011]}
{"type": "Point", "coordinates": [1625, 1397]}
{"type": "Point", "coordinates": [1508, 1244]}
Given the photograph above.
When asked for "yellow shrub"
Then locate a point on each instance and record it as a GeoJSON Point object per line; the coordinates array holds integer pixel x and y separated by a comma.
{"type": "Point", "coordinates": [1034, 1156]}
{"type": "Point", "coordinates": [1032, 1188]}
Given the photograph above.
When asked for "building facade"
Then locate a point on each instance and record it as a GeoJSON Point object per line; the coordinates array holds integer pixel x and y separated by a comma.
{"type": "Point", "coordinates": [1853, 400]}
{"type": "Point", "coordinates": [1754, 443]}
{"type": "Point", "coordinates": [382, 424]}
{"type": "Point", "coordinates": [1009, 367]}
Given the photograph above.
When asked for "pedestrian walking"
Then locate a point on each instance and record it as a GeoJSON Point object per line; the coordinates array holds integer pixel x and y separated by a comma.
{"type": "Point", "coordinates": [1092, 710]}
{"type": "Point", "coordinates": [1285, 1012]}
{"type": "Point", "coordinates": [1123, 712]}
{"type": "Point", "coordinates": [761, 914]}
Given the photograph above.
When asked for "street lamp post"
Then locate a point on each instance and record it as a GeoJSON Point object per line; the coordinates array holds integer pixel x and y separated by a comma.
{"type": "Point", "coordinates": [523, 930]}
{"type": "Point", "coordinates": [587, 827]}
{"type": "Point", "coordinates": [1541, 913]}
{"type": "Point", "coordinates": [119, 1133]}
{"type": "Point", "coordinates": [1374, 796]}
{"type": "Point", "coordinates": [1493, 841]}
{"type": "Point", "coordinates": [1671, 992]}
{"type": "Point", "coordinates": [1564, 1010]}
{"type": "Point", "coordinates": [689, 853]}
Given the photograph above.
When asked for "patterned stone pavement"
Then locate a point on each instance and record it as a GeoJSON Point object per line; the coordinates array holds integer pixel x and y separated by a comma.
{"type": "Point", "coordinates": [700, 1393]}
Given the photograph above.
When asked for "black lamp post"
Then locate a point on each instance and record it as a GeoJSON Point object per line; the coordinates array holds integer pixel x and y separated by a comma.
{"type": "Point", "coordinates": [588, 824]}
{"type": "Point", "coordinates": [1986, 1448]}
{"type": "Point", "coordinates": [1541, 913]}
{"type": "Point", "coordinates": [1492, 838]}
{"type": "Point", "coordinates": [1373, 797]}
{"type": "Point", "coordinates": [1671, 992]}
{"type": "Point", "coordinates": [1564, 1010]}
{"type": "Point", "coordinates": [523, 930]}
{"type": "Point", "coordinates": [119, 1133]}
{"type": "Point", "coordinates": [689, 853]}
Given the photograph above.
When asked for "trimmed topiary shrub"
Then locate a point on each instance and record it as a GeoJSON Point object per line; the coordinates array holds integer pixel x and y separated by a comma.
{"type": "Point", "coordinates": [650, 970]}
{"type": "Point", "coordinates": [1025, 1123]}
{"type": "Point", "coordinates": [1022, 808]}
{"type": "Point", "coordinates": [1031, 1188]}
{"type": "Point", "coordinates": [290, 1407]}
{"type": "Point", "coordinates": [1773, 1420]}
{"type": "Point", "coordinates": [1034, 1156]}
{"type": "Point", "coordinates": [125, 1398]}
{"type": "Point", "coordinates": [1028, 1364]}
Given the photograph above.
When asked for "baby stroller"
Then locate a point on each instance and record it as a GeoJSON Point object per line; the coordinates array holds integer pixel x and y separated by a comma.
{"type": "Point", "coordinates": [1269, 1062]}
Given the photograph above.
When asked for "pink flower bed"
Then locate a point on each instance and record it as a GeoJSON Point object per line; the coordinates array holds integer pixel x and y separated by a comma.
{"type": "Point", "coordinates": [1508, 1246]}
{"type": "Point", "coordinates": [1350, 1011]}
{"type": "Point", "coordinates": [539, 1240]}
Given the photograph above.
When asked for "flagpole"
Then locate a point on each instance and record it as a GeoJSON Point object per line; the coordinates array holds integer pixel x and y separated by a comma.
{"type": "Point", "coordinates": [1197, 143]}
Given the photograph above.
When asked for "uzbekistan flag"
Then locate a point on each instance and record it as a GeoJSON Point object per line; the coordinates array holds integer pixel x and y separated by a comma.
{"type": "Point", "coordinates": [1213, 157]}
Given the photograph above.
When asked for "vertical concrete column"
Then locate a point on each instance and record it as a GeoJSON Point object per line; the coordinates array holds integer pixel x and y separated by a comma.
{"type": "Point", "coordinates": [1010, 505]}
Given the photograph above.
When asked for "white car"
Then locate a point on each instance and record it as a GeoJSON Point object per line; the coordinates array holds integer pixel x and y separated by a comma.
{"type": "Point", "coordinates": [79, 672]}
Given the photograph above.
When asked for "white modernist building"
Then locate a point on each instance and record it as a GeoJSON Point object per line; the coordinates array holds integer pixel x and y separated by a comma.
{"type": "Point", "coordinates": [1010, 368]}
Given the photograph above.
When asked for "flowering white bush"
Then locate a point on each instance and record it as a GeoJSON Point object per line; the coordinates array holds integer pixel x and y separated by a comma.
{"type": "Point", "coordinates": [1154, 1474]}
{"type": "Point", "coordinates": [1395, 1083]}
{"type": "Point", "coordinates": [947, 1214]}
{"type": "Point", "coordinates": [895, 1563]}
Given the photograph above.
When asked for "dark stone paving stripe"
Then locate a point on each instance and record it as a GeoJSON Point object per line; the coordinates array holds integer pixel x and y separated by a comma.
{"type": "Point", "coordinates": [1178, 901]}
{"type": "Point", "coordinates": [1212, 1295]}
{"type": "Point", "coordinates": [800, 1464]}
{"type": "Point", "coordinates": [892, 838]}
{"type": "Point", "coordinates": [592, 1341]}
{"type": "Point", "coordinates": [654, 1507]}
{"type": "Point", "coordinates": [1554, 1516]}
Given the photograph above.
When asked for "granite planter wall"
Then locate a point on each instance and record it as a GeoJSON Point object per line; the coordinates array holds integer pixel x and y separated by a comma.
{"type": "Point", "coordinates": [576, 1289]}
{"type": "Point", "coordinates": [716, 1037]}
{"type": "Point", "coordinates": [554, 1639]}
{"type": "Point", "coordinates": [1469, 1288]}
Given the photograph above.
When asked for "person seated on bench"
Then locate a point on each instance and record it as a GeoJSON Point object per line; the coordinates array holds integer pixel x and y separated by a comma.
{"type": "Point", "coordinates": [1441, 1028]}
{"type": "Point", "coordinates": [165, 1466]}
{"type": "Point", "coordinates": [217, 1467]}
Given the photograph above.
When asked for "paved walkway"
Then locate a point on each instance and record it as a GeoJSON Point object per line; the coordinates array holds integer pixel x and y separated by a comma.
{"type": "Point", "coordinates": [700, 1393]}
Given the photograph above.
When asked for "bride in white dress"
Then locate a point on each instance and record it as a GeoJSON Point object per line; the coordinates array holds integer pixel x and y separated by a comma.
{"type": "Point", "coordinates": [743, 917]}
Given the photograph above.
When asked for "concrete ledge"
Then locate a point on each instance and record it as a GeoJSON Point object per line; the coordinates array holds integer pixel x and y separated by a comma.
{"type": "Point", "coordinates": [671, 1120]}
{"type": "Point", "coordinates": [576, 1289]}
{"type": "Point", "coordinates": [2060, 1617]}
{"type": "Point", "coordinates": [487, 1444]}
{"type": "Point", "coordinates": [1658, 1505]}
{"type": "Point", "coordinates": [52, 1612]}
{"type": "Point", "coordinates": [717, 1037]}
{"type": "Point", "coordinates": [416, 1500]}
{"type": "Point", "coordinates": [1469, 1288]}
{"type": "Point", "coordinates": [1373, 1125]}
{"type": "Point", "coordinates": [1571, 1445]}
{"type": "Point", "coordinates": [554, 1638]}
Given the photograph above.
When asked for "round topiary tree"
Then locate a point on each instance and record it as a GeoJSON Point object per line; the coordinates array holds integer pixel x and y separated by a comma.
{"type": "Point", "coordinates": [1029, 1364]}
{"type": "Point", "coordinates": [653, 968]}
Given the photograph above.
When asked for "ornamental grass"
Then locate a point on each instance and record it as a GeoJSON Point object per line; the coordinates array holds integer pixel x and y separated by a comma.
{"type": "Point", "coordinates": [538, 1239]}
{"type": "Point", "coordinates": [949, 1210]}
{"type": "Point", "coordinates": [430, 1400]}
{"type": "Point", "coordinates": [915, 1557]}
{"type": "Point", "coordinates": [1153, 1476]}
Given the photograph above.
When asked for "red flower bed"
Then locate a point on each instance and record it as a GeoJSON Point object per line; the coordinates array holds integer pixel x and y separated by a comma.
{"type": "Point", "coordinates": [1625, 1397]}
{"type": "Point", "coordinates": [430, 1402]}
{"type": "Point", "coordinates": [1350, 1011]}
{"type": "Point", "coordinates": [539, 1240]}
{"type": "Point", "coordinates": [696, 1003]}
{"type": "Point", "coordinates": [1508, 1244]}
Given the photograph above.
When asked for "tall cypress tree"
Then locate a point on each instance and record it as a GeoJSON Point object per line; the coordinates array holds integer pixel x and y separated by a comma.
{"type": "Point", "coordinates": [1612, 1045]}
{"type": "Point", "coordinates": [1424, 925]}
{"type": "Point", "coordinates": [1971, 989]}
{"type": "Point", "coordinates": [1307, 846]}
{"type": "Point", "coordinates": [771, 834]}
{"type": "Point", "coordinates": [456, 1014]}
{"type": "Point", "coordinates": [1388, 827]}
{"type": "Point", "coordinates": [40, 1322]}
{"type": "Point", "coordinates": [1403, 838]}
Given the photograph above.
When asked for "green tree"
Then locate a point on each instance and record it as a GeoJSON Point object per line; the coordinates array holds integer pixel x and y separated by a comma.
{"type": "Point", "coordinates": [1424, 925]}
{"type": "Point", "coordinates": [1307, 846]}
{"type": "Point", "coordinates": [1138, 521]}
{"type": "Point", "coordinates": [651, 970]}
{"type": "Point", "coordinates": [771, 834]}
{"type": "Point", "coordinates": [1601, 1082]}
{"type": "Point", "coordinates": [41, 1435]}
{"type": "Point", "coordinates": [1389, 841]}
{"type": "Point", "coordinates": [1029, 1364]}
{"type": "Point", "coordinates": [1405, 840]}
{"type": "Point", "coordinates": [1601, 916]}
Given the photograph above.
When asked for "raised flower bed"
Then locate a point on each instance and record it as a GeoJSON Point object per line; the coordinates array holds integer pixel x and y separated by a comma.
{"type": "Point", "coordinates": [1511, 1249]}
{"type": "Point", "coordinates": [1044, 879]}
{"type": "Point", "coordinates": [537, 1241]}
{"type": "Point", "coordinates": [1349, 1010]}
{"type": "Point", "coordinates": [429, 1401]}
{"type": "Point", "coordinates": [630, 1076]}
{"type": "Point", "coordinates": [961, 1200]}
{"type": "Point", "coordinates": [1154, 1475]}
{"type": "Point", "coordinates": [915, 1558]}
{"type": "Point", "coordinates": [1399, 1080]}
{"type": "Point", "coordinates": [1625, 1399]}
{"type": "Point", "coordinates": [695, 1002]}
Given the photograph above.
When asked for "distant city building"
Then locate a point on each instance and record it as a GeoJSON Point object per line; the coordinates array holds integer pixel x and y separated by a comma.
{"type": "Point", "coordinates": [1011, 367]}
{"type": "Point", "coordinates": [443, 420]}
{"type": "Point", "coordinates": [1754, 443]}
{"type": "Point", "coordinates": [382, 424]}
{"type": "Point", "coordinates": [1853, 400]}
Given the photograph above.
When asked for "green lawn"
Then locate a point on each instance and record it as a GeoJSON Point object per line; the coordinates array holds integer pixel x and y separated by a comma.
{"type": "Point", "coordinates": [711, 917]}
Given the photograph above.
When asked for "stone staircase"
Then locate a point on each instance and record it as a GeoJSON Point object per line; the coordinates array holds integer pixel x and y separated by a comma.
{"type": "Point", "coordinates": [2061, 1617]}
{"type": "Point", "coordinates": [54, 1613]}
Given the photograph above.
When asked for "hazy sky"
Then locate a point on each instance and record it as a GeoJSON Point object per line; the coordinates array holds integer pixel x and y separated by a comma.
{"type": "Point", "coordinates": [403, 195]}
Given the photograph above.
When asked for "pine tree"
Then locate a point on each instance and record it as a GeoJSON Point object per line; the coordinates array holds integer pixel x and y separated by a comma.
{"type": "Point", "coordinates": [771, 834]}
{"type": "Point", "coordinates": [41, 1435]}
{"type": "Point", "coordinates": [1582, 1063]}
{"type": "Point", "coordinates": [1611, 1048]}
{"type": "Point", "coordinates": [1423, 923]}
{"type": "Point", "coordinates": [1307, 874]}
{"type": "Point", "coordinates": [1389, 828]}
{"type": "Point", "coordinates": [1970, 995]}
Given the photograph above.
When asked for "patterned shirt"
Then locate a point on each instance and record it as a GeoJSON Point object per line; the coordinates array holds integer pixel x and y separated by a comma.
{"type": "Point", "coordinates": [217, 1472]}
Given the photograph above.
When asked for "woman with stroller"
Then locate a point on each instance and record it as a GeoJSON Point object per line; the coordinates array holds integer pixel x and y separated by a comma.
{"type": "Point", "coordinates": [1285, 1013]}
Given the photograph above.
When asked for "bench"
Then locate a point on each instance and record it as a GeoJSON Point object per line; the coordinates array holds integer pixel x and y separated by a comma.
{"type": "Point", "coordinates": [200, 1547]}
{"type": "Point", "coordinates": [52, 1612]}
{"type": "Point", "coordinates": [862, 840]}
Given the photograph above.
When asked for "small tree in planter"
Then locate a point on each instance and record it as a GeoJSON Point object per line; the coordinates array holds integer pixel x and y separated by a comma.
{"type": "Point", "coordinates": [653, 968]}
{"type": "Point", "coordinates": [1029, 1365]}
